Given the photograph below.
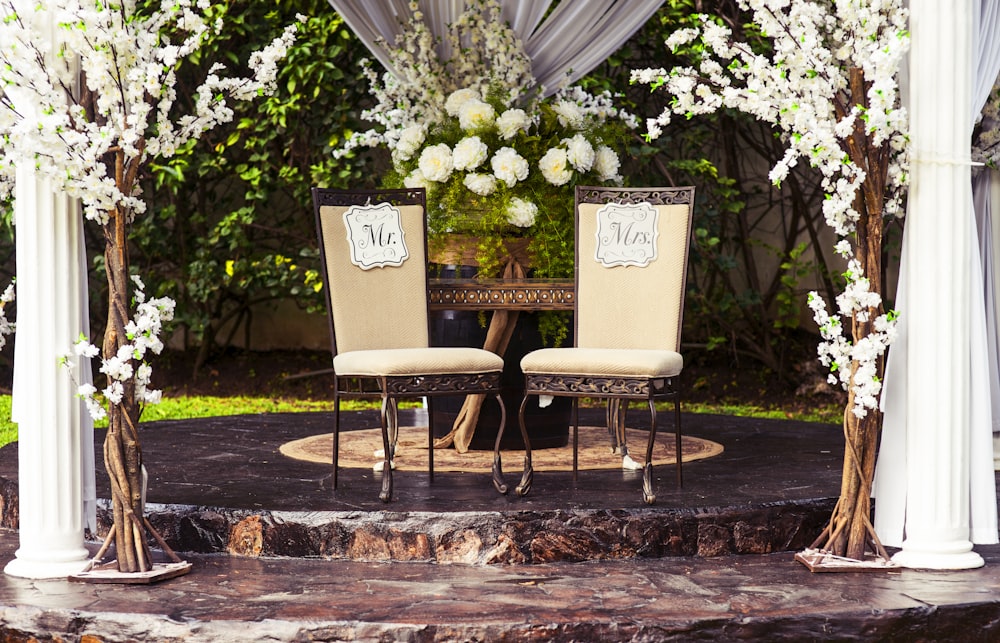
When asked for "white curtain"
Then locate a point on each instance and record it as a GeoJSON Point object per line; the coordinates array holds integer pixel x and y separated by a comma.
{"type": "Point", "coordinates": [891, 470]}
{"type": "Point", "coordinates": [571, 40]}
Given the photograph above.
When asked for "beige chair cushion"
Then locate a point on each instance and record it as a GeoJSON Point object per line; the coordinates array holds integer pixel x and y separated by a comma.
{"type": "Point", "coordinates": [603, 362]}
{"type": "Point", "coordinates": [416, 361]}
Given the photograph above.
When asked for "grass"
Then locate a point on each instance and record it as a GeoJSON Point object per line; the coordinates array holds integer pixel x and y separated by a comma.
{"type": "Point", "coordinates": [181, 408]}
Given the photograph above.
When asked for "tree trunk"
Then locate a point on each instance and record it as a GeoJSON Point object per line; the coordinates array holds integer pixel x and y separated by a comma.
{"type": "Point", "coordinates": [122, 454]}
{"type": "Point", "coordinates": [850, 530]}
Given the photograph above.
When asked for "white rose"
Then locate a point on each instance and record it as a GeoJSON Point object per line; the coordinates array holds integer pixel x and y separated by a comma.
{"type": "Point", "coordinates": [415, 179]}
{"type": "Point", "coordinates": [410, 140]}
{"type": "Point", "coordinates": [481, 184]}
{"type": "Point", "coordinates": [521, 213]}
{"type": "Point", "coordinates": [458, 98]}
{"type": "Point", "coordinates": [606, 164]}
{"type": "Point", "coordinates": [554, 167]}
{"type": "Point", "coordinates": [580, 153]}
{"type": "Point", "coordinates": [436, 162]}
{"type": "Point", "coordinates": [475, 114]}
{"type": "Point", "coordinates": [469, 153]}
{"type": "Point", "coordinates": [511, 122]}
{"type": "Point", "coordinates": [509, 166]}
{"type": "Point", "coordinates": [569, 114]}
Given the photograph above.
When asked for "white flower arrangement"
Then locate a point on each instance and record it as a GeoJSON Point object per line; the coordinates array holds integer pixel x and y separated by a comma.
{"type": "Point", "coordinates": [496, 160]}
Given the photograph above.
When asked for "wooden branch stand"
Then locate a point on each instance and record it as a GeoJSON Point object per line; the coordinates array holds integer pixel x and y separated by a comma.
{"type": "Point", "coordinates": [98, 571]}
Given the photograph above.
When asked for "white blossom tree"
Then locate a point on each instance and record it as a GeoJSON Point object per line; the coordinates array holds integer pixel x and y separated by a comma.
{"type": "Point", "coordinates": [828, 84]}
{"type": "Point", "coordinates": [88, 109]}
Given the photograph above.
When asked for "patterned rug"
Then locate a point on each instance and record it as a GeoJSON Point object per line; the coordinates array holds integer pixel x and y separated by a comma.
{"type": "Point", "coordinates": [357, 450]}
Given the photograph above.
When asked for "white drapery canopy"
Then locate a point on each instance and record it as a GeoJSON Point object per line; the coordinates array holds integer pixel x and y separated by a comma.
{"type": "Point", "coordinates": [563, 46]}
{"type": "Point", "coordinates": [894, 469]}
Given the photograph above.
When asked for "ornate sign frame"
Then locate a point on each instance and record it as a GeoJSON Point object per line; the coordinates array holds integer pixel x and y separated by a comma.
{"type": "Point", "coordinates": [375, 236]}
{"type": "Point", "coordinates": [627, 234]}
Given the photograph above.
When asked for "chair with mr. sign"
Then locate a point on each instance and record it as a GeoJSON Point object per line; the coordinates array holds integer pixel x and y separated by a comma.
{"type": "Point", "coordinates": [374, 254]}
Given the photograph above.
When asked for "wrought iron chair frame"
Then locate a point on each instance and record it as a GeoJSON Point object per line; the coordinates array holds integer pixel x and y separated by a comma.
{"type": "Point", "coordinates": [619, 391]}
{"type": "Point", "coordinates": [393, 388]}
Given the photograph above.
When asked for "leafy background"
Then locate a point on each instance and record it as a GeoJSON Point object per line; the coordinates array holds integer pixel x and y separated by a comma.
{"type": "Point", "coordinates": [230, 225]}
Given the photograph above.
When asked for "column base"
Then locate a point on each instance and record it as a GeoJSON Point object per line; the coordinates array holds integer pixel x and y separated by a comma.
{"type": "Point", "coordinates": [72, 562]}
{"type": "Point", "coordinates": [955, 555]}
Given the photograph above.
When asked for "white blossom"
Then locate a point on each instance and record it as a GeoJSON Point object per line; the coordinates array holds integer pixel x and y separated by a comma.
{"type": "Point", "coordinates": [416, 179]}
{"type": "Point", "coordinates": [795, 86]}
{"type": "Point", "coordinates": [521, 212]}
{"type": "Point", "coordinates": [481, 184]}
{"type": "Point", "coordinates": [509, 166]}
{"type": "Point", "coordinates": [470, 153]}
{"type": "Point", "coordinates": [129, 59]}
{"type": "Point", "coordinates": [475, 114]}
{"type": "Point", "coordinates": [511, 122]}
{"type": "Point", "coordinates": [436, 163]}
{"type": "Point", "coordinates": [555, 166]}
{"type": "Point", "coordinates": [7, 327]}
{"type": "Point", "coordinates": [606, 164]}
{"type": "Point", "coordinates": [569, 114]}
{"type": "Point", "coordinates": [458, 98]}
{"type": "Point", "coordinates": [410, 140]}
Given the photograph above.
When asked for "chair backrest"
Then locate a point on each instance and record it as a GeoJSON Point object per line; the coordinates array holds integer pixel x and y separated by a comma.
{"type": "Point", "coordinates": [373, 246]}
{"type": "Point", "coordinates": [631, 266]}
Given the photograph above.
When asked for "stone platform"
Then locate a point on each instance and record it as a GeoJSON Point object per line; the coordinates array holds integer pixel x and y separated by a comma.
{"type": "Point", "coordinates": [221, 485]}
{"type": "Point", "coordinates": [279, 556]}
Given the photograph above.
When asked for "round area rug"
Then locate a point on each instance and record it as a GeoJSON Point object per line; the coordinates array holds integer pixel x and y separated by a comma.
{"type": "Point", "coordinates": [358, 448]}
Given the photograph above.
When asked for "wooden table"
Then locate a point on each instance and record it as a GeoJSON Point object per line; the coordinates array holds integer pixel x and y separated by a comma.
{"type": "Point", "coordinates": [501, 294]}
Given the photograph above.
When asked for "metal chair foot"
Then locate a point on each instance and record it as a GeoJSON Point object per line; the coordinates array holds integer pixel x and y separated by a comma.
{"type": "Point", "coordinates": [526, 478]}
{"type": "Point", "coordinates": [498, 481]}
{"type": "Point", "coordinates": [386, 494]}
{"type": "Point", "coordinates": [647, 484]}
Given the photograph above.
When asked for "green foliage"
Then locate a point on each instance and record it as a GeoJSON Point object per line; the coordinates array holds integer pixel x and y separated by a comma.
{"type": "Point", "coordinates": [231, 223]}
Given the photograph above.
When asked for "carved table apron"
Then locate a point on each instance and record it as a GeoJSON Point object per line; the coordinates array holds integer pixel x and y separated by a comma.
{"type": "Point", "coordinates": [501, 294]}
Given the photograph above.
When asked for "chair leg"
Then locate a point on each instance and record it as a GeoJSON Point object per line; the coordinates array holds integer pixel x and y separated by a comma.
{"type": "Point", "coordinates": [336, 435]}
{"type": "Point", "coordinates": [575, 422]}
{"type": "Point", "coordinates": [647, 471]}
{"type": "Point", "coordinates": [430, 437]}
{"type": "Point", "coordinates": [527, 477]}
{"type": "Point", "coordinates": [386, 494]}
{"type": "Point", "coordinates": [611, 417]}
{"type": "Point", "coordinates": [498, 482]}
{"type": "Point", "coordinates": [677, 443]}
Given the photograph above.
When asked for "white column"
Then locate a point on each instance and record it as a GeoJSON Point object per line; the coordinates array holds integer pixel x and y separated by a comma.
{"type": "Point", "coordinates": [55, 444]}
{"type": "Point", "coordinates": [939, 234]}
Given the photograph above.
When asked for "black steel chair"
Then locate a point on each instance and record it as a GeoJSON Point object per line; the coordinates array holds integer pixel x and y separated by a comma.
{"type": "Point", "coordinates": [374, 253]}
{"type": "Point", "coordinates": [631, 265]}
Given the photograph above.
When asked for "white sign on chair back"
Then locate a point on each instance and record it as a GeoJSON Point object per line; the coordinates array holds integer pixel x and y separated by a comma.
{"type": "Point", "coordinates": [626, 234]}
{"type": "Point", "coordinates": [375, 235]}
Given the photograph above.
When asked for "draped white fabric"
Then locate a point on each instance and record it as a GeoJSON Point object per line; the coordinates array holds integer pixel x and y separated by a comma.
{"type": "Point", "coordinates": [573, 39]}
{"type": "Point", "coordinates": [984, 381]}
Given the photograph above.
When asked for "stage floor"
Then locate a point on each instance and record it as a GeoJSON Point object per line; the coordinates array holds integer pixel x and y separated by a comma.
{"type": "Point", "coordinates": [234, 462]}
